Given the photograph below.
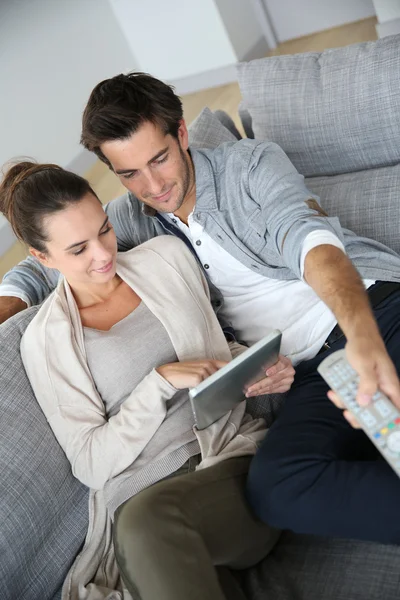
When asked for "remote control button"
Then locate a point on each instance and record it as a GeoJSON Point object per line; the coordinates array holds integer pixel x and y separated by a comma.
{"type": "Point", "coordinates": [384, 431]}
{"type": "Point", "coordinates": [397, 421]}
{"type": "Point", "coordinates": [383, 408]}
{"type": "Point", "coordinates": [377, 435]}
{"type": "Point", "coordinates": [367, 418]}
{"type": "Point", "coordinates": [391, 425]}
{"type": "Point", "coordinates": [348, 396]}
{"type": "Point", "coordinates": [393, 441]}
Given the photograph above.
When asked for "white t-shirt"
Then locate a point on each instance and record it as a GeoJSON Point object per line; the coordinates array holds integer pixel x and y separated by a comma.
{"type": "Point", "coordinates": [255, 305]}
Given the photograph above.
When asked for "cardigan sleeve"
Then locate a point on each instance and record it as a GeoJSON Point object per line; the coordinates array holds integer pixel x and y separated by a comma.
{"type": "Point", "coordinates": [97, 447]}
{"type": "Point", "coordinates": [236, 348]}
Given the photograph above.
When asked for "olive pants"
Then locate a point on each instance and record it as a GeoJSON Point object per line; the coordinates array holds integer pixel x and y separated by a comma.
{"type": "Point", "coordinates": [170, 537]}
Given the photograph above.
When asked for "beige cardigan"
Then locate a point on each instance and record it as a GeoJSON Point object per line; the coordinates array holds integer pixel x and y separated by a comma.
{"type": "Point", "coordinates": [167, 277]}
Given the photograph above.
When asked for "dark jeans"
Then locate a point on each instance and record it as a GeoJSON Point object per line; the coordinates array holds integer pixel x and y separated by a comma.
{"type": "Point", "coordinates": [170, 537]}
{"type": "Point", "coordinates": [314, 473]}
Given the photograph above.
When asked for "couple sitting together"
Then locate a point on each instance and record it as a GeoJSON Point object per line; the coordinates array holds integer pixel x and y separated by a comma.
{"type": "Point", "coordinates": [208, 247]}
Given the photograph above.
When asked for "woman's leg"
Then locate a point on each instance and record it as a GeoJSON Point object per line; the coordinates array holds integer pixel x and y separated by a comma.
{"type": "Point", "coordinates": [315, 474]}
{"type": "Point", "coordinates": [169, 537]}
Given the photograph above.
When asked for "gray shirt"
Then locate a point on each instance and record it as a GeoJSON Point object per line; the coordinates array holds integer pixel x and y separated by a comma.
{"type": "Point", "coordinates": [118, 360]}
{"type": "Point", "coordinates": [251, 200]}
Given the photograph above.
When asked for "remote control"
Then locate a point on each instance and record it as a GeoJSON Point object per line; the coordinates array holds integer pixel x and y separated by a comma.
{"type": "Point", "coordinates": [380, 419]}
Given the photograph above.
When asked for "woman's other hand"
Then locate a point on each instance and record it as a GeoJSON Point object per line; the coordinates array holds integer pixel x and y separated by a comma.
{"type": "Point", "coordinates": [278, 381]}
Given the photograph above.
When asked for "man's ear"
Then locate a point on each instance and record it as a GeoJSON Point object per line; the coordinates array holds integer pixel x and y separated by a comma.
{"type": "Point", "coordinates": [40, 256]}
{"type": "Point", "coordinates": [183, 135]}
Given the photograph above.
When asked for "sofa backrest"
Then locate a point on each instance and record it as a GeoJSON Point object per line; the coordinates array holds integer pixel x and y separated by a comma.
{"type": "Point", "coordinates": [208, 130]}
{"type": "Point", "coordinates": [43, 508]}
{"type": "Point", "coordinates": [332, 112]}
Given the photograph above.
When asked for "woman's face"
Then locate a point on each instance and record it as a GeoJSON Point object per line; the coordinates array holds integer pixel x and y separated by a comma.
{"type": "Point", "coordinates": [82, 243]}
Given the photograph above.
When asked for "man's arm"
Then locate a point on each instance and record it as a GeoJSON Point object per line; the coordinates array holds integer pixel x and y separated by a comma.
{"type": "Point", "coordinates": [289, 212]}
{"type": "Point", "coordinates": [27, 284]}
{"type": "Point", "coordinates": [10, 306]}
{"type": "Point", "coordinates": [292, 216]}
{"type": "Point", "coordinates": [333, 277]}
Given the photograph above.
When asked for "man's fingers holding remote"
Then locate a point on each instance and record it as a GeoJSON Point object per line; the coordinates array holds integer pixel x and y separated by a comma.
{"type": "Point", "coordinates": [351, 419]}
{"type": "Point", "coordinates": [347, 414]}
{"type": "Point", "coordinates": [371, 361]}
{"type": "Point", "coordinates": [335, 399]}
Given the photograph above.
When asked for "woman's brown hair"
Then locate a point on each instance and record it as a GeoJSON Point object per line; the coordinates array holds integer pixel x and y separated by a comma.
{"type": "Point", "coordinates": [29, 192]}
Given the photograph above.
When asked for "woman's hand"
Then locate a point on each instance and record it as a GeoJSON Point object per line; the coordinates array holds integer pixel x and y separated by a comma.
{"type": "Point", "coordinates": [182, 375]}
{"type": "Point", "coordinates": [278, 381]}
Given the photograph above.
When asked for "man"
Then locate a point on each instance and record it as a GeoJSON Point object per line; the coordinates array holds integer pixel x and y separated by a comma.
{"type": "Point", "coordinates": [260, 235]}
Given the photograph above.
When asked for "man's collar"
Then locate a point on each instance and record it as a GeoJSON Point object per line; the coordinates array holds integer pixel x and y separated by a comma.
{"type": "Point", "coordinates": [148, 211]}
{"type": "Point", "coordinates": [206, 198]}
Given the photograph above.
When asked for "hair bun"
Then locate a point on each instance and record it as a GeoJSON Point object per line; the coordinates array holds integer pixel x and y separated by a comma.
{"type": "Point", "coordinates": [14, 176]}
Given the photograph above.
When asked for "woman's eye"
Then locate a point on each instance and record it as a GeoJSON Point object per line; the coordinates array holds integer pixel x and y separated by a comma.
{"type": "Point", "coordinates": [106, 230]}
{"type": "Point", "coordinates": [78, 252]}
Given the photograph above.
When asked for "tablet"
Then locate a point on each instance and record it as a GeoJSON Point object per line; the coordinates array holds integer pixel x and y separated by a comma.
{"type": "Point", "coordinates": [223, 390]}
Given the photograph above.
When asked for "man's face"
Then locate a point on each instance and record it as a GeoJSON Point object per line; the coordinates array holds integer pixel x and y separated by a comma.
{"type": "Point", "coordinates": [153, 166]}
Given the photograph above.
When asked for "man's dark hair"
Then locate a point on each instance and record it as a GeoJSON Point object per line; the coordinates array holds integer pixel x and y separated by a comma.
{"type": "Point", "coordinates": [117, 107]}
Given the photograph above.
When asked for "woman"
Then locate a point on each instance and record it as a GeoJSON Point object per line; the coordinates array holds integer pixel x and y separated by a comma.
{"type": "Point", "coordinates": [110, 356]}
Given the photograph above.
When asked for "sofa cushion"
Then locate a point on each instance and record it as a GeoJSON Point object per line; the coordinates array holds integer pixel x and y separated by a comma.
{"type": "Point", "coordinates": [207, 131]}
{"type": "Point", "coordinates": [366, 202]}
{"type": "Point", "coordinates": [331, 112]}
{"type": "Point", "coordinates": [227, 122]}
{"type": "Point", "coordinates": [303, 567]}
{"type": "Point", "coordinates": [246, 120]}
{"type": "Point", "coordinates": [43, 508]}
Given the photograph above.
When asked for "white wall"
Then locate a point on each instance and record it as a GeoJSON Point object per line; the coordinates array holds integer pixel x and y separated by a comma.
{"type": "Point", "coordinates": [241, 23]}
{"type": "Point", "coordinates": [53, 52]}
{"type": "Point", "coordinates": [387, 10]}
{"type": "Point", "coordinates": [295, 18]}
{"type": "Point", "coordinates": [174, 39]}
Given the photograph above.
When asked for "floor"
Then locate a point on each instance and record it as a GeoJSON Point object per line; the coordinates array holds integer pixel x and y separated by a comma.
{"type": "Point", "coordinates": [226, 97]}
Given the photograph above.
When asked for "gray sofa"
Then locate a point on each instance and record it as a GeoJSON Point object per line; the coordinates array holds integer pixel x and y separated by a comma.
{"type": "Point", "coordinates": [337, 115]}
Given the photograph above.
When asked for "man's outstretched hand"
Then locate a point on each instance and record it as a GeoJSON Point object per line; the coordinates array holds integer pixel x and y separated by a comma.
{"type": "Point", "coordinates": [368, 356]}
{"type": "Point", "coordinates": [336, 281]}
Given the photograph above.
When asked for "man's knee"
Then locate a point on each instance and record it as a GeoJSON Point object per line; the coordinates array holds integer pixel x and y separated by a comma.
{"type": "Point", "coordinates": [261, 487]}
{"type": "Point", "coordinates": [278, 491]}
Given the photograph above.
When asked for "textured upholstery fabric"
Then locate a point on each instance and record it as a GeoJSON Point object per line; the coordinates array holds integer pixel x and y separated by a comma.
{"type": "Point", "coordinates": [43, 508]}
{"type": "Point", "coordinates": [207, 131]}
{"type": "Point", "coordinates": [366, 202]}
{"type": "Point", "coordinates": [332, 112]}
{"type": "Point", "coordinates": [303, 567]}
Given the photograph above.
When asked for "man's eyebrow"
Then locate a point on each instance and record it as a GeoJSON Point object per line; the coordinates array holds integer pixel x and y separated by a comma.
{"type": "Point", "coordinates": [84, 241]}
{"type": "Point", "coordinates": [124, 171]}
